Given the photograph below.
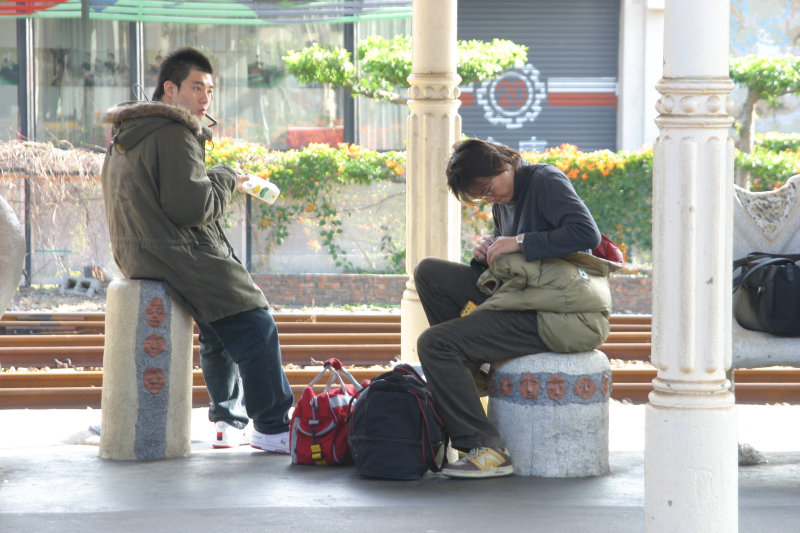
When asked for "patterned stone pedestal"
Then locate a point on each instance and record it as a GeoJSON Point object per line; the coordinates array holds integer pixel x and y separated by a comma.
{"type": "Point", "coordinates": [147, 374]}
{"type": "Point", "coordinates": [552, 412]}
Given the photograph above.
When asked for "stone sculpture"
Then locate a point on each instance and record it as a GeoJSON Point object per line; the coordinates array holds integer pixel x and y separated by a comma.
{"type": "Point", "coordinates": [12, 235]}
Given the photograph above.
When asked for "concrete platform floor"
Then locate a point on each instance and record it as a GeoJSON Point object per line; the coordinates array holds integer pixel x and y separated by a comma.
{"type": "Point", "coordinates": [51, 480]}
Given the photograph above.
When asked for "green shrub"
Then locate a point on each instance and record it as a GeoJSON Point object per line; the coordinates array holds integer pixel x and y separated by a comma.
{"type": "Point", "coordinates": [308, 179]}
{"type": "Point", "coordinates": [774, 159]}
{"type": "Point", "coordinates": [616, 186]}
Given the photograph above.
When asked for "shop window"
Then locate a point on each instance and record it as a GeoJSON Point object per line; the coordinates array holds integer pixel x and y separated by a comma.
{"type": "Point", "coordinates": [81, 70]}
{"type": "Point", "coordinates": [382, 124]}
{"type": "Point", "coordinates": [254, 99]}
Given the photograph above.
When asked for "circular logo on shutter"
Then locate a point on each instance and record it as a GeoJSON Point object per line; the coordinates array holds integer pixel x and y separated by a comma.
{"type": "Point", "coordinates": [27, 7]}
{"type": "Point", "coordinates": [513, 99]}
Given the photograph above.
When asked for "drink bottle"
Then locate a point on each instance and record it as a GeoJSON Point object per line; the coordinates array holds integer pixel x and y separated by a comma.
{"type": "Point", "coordinates": [261, 188]}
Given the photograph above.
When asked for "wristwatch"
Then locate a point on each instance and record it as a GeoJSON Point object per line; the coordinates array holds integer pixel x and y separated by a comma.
{"type": "Point", "coordinates": [520, 238]}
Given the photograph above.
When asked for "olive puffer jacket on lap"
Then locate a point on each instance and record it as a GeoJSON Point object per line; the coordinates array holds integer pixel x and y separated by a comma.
{"type": "Point", "coordinates": [164, 210]}
{"type": "Point", "coordinates": [571, 296]}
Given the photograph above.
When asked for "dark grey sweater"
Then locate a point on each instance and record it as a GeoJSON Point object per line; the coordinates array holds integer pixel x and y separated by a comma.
{"type": "Point", "coordinates": [546, 208]}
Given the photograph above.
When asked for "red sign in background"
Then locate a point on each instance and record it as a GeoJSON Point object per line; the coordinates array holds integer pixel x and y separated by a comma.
{"type": "Point", "coordinates": [26, 7]}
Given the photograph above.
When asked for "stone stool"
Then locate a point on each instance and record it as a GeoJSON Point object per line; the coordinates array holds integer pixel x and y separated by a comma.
{"type": "Point", "coordinates": [147, 374]}
{"type": "Point", "coordinates": [552, 411]}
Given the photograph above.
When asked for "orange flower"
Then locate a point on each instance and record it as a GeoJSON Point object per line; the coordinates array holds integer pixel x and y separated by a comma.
{"type": "Point", "coordinates": [391, 163]}
{"type": "Point", "coordinates": [399, 171]}
{"type": "Point", "coordinates": [310, 207]}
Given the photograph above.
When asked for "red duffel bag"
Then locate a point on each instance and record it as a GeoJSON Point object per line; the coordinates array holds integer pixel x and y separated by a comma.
{"type": "Point", "coordinates": [318, 431]}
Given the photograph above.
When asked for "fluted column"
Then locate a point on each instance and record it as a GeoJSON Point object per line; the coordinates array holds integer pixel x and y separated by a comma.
{"type": "Point", "coordinates": [433, 222]}
{"type": "Point", "coordinates": [690, 424]}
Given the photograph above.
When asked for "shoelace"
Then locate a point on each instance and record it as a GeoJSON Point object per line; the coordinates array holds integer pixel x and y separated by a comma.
{"type": "Point", "coordinates": [475, 452]}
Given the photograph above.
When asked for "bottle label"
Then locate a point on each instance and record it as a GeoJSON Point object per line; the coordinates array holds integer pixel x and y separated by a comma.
{"type": "Point", "coordinates": [261, 188]}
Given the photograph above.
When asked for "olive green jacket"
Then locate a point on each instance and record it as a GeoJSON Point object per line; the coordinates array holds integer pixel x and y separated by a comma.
{"type": "Point", "coordinates": [164, 210]}
{"type": "Point", "coordinates": [571, 296]}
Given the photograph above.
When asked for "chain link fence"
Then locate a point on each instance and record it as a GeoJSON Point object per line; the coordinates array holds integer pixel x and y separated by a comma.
{"type": "Point", "coordinates": [67, 226]}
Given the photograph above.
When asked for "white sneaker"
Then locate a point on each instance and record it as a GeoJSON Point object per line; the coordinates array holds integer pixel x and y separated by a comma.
{"type": "Point", "coordinates": [228, 436]}
{"type": "Point", "coordinates": [277, 443]}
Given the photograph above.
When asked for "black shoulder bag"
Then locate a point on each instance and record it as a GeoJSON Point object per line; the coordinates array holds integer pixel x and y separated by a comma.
{"type": "Point", "coordinates": [766, 293]}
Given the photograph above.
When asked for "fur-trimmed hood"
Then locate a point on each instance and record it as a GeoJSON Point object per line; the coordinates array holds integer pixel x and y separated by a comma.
{"type": "Point", "coordinates": [134, 120]}
{"type": "Point", "coordinates": [164, 209]}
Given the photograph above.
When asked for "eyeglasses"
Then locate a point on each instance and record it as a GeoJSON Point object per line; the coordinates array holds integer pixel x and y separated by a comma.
{"type": "Point", "coordinates": [486, 192]}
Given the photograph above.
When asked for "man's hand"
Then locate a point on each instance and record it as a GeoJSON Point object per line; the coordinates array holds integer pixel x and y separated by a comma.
{"type": "Point", "coordinates": [479, 252]}
{"type": "Point", "coordinates": [241, 177]}
{"type": "Point", "coordinates": [502, 245]}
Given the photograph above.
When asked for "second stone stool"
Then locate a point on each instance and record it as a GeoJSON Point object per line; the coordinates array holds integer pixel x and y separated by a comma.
{"type": "Point", "coordinates": [147, 374]}
{"type": "Point", "coordinates": [552, 412]}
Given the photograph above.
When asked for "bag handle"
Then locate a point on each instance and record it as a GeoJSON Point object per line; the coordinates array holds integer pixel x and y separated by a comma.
{"type": "Point", "coordinates": [739, 281]}
{"type": "Point", "coordinates": [754, 257]}
{"type": "Point", "coordinates": [328, 366]}
{"type": "Point", "coordinates": [336, 369]}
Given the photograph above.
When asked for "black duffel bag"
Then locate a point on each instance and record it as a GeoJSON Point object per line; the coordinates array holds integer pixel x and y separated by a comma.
{"type": "Point", "coordinates": [394, 430]}
{"type": "Point", "coordinates": [766, 293]}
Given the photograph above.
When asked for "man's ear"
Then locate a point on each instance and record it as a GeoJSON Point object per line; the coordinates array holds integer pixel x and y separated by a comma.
{"type": "Point", "coordinates": [170, 89]}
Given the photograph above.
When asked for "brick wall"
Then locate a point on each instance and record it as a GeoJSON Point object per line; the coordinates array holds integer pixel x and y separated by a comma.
{"type": "Point", "coordinates": [631, 294]}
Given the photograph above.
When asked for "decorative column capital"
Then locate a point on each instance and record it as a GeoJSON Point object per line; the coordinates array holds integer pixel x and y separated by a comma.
{"type": "Point", "coordinates": [695, 102]}
{"type": "Point", "coordinates": [434, 86]}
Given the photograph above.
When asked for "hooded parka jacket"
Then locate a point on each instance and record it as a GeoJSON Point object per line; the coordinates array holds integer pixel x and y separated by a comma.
{"type": "Point", "coordinates": [164, 210]}
{"type": "Point", "coordinates": [571, 296]}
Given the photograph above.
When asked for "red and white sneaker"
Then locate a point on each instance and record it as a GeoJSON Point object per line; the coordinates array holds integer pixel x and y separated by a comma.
{"type": "Point", "coordinates": [277, 443]}
{"type": "Point", "coordinates": [228, 436]}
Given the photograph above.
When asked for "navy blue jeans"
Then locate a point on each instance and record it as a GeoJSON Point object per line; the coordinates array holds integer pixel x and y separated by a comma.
{"type": "Point", "coordinates": [240, 356]}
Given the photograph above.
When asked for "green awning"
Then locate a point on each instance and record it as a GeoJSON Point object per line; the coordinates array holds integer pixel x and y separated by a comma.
{"type": "Point", "coordinates": [250, 12]}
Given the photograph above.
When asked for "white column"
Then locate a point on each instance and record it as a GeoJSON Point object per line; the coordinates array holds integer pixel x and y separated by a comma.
{"type": "Point", "coordinates": [433, 219]}
{"type": "Point", "coordinates": [690, 425]}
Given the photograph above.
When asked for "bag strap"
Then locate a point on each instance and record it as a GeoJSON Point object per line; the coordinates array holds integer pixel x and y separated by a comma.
{"type": "Point", "coordinates": [754, 257]}
{"type": "Point", "coordinates": [408, 370]}
{"type": "Point", "coordinates": [428, 452]}
{"type": "Point", "coordinates": [740, 279]}
{"type": "Point", "coordinates": [761, 255]}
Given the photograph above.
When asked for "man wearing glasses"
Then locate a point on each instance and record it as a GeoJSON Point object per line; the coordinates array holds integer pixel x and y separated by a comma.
{"type": "Point", "coordinates": [474, 320]}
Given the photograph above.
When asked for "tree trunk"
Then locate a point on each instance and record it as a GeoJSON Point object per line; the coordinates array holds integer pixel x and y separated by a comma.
{"type": "Point", "coordinates": [747, 136]}
{"type": "Point", "coordinates": [328, 103]}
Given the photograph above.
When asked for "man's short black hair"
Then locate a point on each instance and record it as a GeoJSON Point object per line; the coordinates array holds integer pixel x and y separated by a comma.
{"type": "Point", "coordinates": [473, 159]}
{"type": "Point", "coordinates": [177, 66]}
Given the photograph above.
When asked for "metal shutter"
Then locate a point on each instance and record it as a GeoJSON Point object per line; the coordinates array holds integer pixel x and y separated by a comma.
{"type": "Point", "coordinates": [567, 93]}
